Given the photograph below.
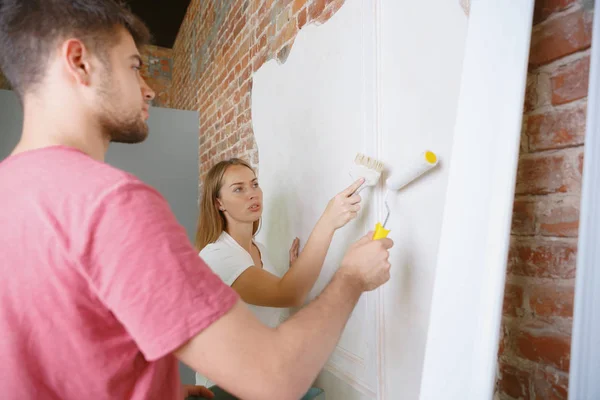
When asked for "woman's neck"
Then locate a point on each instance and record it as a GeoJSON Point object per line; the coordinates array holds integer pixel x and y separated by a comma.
{"type": "Point", "coordinates": [241, 233]}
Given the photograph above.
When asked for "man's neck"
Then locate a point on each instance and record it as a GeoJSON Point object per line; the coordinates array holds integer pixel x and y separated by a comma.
{"type": "Point", "coordinates": [40, 131]}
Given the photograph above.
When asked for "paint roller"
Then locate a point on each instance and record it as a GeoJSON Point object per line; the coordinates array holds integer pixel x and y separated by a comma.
{"type": "Point", "coordinates": [424, 163]}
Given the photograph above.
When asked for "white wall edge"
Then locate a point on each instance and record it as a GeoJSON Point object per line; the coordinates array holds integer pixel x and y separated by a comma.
{"type": "Point", "coordinates": [585, 341]}
{"type": "Point", "coordinates": [462, 343]}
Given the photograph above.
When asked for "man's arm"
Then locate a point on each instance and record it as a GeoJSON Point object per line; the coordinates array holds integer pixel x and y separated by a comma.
{"type": "Point", "coordinates": [140, 264]}
{"type": "Point", "coordinates": [252, 361]}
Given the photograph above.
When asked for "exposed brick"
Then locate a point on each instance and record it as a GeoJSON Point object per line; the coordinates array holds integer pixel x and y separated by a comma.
{"type": "Point", "coordinates": [535, 339]}
{"type": "Point", "coordinates": [503, 339]}
{"type": "Point", "coordinates": [551, 299]}
{"type": "Point", "coordinates": [523, 222]}
{"type": "Point", "coordinates": [543, 258]}
{"type": "Point", "coordinates": [570, 82]}
{"type": "Point", "coordinates": [550, 384]}
{"type": "Point", "coordinates": [557, 128]}
{"type": "Point", "coordinates": [157, 71]}
{"type": "Point", "coordinates": [298, 5]}
{"type": "Point", "coordinates": [544, 346]}
{"type": "Point", "coordinates": [283, 54]}
{"type": "Point", "coordinates": [287, 34]}
{"type": "Point", "coordinates": [513, 299]}
{"type": "Point", "coordinates": [302, 16]}
{"type": "Point", "coordinates": [544, 8]}
{"type": "Point", "coordinates": [561, 36]}
{"type": "Point", "coordinates": [538, 92]}
{"type": "Point", "coordinates": [552, 216]}
{"type": "Point", "coordinates": [283, 18]}
{"type": "Point", "coordinates": [558, 217]}
{"type": "Point", "coordinates": [219, 46]}
{"type": "Point", "coordinates": [555, 172]}
{"type": "Point", "coordinates": [316, 8]}
{"type": "Point", "coordinates": [513, 381]}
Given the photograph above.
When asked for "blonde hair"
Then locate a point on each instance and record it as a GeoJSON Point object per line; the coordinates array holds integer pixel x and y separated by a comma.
{"type": "Point", "coordinates": [211, 221]}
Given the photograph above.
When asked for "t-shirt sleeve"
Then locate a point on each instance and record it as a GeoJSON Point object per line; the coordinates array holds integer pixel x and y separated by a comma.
{"type": "Point", "coordinates": [226, 261]}
{"type": "Point", "coordinates": [142, 265]}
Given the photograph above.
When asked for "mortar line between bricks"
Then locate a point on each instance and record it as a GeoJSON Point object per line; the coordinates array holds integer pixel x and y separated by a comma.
{"type": "Point", "coordinates": [568, 149]}
{"type": "Point", "coordinates": [526, 280]}
{"type": "Point", "coordinates": [555, 324]}
{"type": "Point", "coordinates": [573, 8]}
{"type": "Point", "coordinates": [529, 366]}
{"type": "Point", "coordinates": [553, 65]}
{"type": "Point", "coordinates": [522, 235]}
{"type": "Point", "coordinates": [557, 196]}
{"type": "Point", "coordinates": [539, 237]}
{"type": "Point", "coordinates": [555, 149]}
{"type": "Point", "coordinates": [546, 108]}
{"type": "Point", "coordinates": [546, 239]}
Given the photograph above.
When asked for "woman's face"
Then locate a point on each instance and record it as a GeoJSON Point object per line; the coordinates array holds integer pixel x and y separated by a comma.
{"type": "Point", "coordinates": [240, 197]}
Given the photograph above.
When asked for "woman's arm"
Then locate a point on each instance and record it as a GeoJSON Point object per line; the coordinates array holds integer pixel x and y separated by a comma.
{"type": "Point", "coordinates": [262, 288]}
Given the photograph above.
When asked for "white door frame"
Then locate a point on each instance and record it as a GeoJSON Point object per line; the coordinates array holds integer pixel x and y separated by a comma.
{"type": "Point", "coordinates": [463, 334]}
{"type": "Point", "coordinates": [585, 341]}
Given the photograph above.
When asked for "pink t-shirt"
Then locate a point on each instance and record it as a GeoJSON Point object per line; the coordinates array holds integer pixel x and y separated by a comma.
{"type": "Point", "coordinates": [99, 283]}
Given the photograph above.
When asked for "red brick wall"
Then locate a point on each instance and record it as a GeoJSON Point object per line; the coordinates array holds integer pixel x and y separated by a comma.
{"type": "Point", "coordinates": [538, 305]}
{"type": "Point", "coordinates": [158, 72]}
{"type": "Point", "coordinates": [158, 68]}
{"type": "Point", "coordinates": [219, 46]}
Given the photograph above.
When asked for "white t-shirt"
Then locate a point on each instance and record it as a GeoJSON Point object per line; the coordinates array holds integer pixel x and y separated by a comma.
{"type": "Point", "coordinates": [229, 260]}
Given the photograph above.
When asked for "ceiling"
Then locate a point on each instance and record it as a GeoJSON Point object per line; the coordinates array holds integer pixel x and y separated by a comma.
{"type": "Point", "coordinates": [163, 17]}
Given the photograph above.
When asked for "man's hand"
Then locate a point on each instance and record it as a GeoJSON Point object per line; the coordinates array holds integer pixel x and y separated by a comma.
{"type": "Point", "coordinates": [201, 391]}
{"type": "Point", "coordinates": [366, 262]}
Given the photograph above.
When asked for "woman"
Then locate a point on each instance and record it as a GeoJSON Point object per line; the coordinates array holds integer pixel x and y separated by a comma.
{"type": "Point", "coordinates": [230, 214]}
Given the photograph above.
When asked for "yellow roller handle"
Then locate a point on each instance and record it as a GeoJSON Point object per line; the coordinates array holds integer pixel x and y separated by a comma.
{"type": "Point", "coordinates": [380, 232]}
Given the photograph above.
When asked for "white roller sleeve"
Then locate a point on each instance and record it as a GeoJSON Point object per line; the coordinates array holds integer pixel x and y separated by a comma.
{"type": "Point", "coordinates": [426, 161]}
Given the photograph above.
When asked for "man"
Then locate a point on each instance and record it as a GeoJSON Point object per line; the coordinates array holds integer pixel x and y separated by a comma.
{"type": "Point", "coordinates": [100, 289]}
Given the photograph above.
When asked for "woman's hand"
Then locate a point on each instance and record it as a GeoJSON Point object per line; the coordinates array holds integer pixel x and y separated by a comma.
{"type": "Point", "coordinates": [344, 207]}
{"type": "Point", "coordinates": [294, 251]}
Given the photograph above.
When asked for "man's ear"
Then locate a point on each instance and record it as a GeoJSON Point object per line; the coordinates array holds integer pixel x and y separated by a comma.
{"type": "Point", "coordinates": [77, 61]}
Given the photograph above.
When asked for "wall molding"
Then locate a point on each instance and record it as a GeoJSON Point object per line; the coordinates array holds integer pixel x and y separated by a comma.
{"type": "Point", "coordinates": [373, 138]}
{"type": "Point", "coordinates": [380, 304]}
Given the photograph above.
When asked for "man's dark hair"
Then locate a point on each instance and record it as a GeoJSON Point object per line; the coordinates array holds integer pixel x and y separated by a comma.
{"type": "Point", "coordinates": [30, 30]}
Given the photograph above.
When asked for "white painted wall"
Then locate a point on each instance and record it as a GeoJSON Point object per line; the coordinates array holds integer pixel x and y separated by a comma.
{"type": "Point", "coordinates": [463, 336]}
{"type": "Point", "coordinates": [422, 49]}
{"type": "Point", "coordinates": [311, 115]}
{"type": "Point", "coordinates": [383, 77]}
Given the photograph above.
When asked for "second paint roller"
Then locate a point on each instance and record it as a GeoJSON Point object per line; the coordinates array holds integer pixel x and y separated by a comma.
{"type": "Point", "coordinates": [425, 162]}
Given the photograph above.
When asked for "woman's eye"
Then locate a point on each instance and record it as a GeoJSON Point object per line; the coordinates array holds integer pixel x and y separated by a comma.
{"type": "Point", "coordinates": [255, 184]}
{"type": "Point", "coordinates": [236, 190]}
